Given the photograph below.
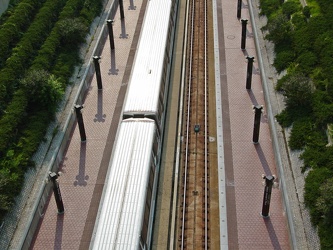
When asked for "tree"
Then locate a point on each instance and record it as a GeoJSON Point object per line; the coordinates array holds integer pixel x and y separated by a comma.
{"type": "Point", "coordinates": [280, 29]}
{"type": "Point", "coordinates": [42, 88]}
{"type": "Point", "coordinates": [324, 202]}
{"type": "Point", "coordinates": [73, 31]}
{"type": "Point", "coordinates": [298, 89]}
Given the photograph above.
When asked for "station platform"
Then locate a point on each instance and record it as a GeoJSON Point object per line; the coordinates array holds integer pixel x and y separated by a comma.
{"type": "Point", "coordinates": [245, 161]}
{"type": "Point", "coordinates": [85, 164]}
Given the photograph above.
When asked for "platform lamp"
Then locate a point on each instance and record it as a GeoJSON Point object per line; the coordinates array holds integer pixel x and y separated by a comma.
{"type": "Point", "coordinates": [110, 28]}
{"type": "Point", "coordinates": [269, 184]}
{"type": "Point", "coordinates": [56, 191]}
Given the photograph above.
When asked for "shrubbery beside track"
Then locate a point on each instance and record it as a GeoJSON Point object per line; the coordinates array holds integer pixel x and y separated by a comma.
{"type": "Point", "coordinates": [303, 40]}
{"type": "Point", "coordinates": [38, 63]}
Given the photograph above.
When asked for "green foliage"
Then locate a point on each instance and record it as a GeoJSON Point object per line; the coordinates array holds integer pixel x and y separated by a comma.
{"type": "Point", "coordinates": [283, 59]}
{"type": "Point", "coordinates": [27, 104]}
{"type": "Point", "coordinates": [312, 185]}
{"type": "Point", "coordinates": [42, 88]}
{"type": "Point", "coordinates": [299, 20]}
{"type": "Point", "coordinates": [302, 40]}
{"type": "Point", "coordinates": [290, 7]}
{"type": "Point", "coordinates": [322, 107]}
{"type": "Point", "coordinates": [300, 133]}
{"type": "Point", "coordinates": [5, 201]}
{"type": "Point", "coordinates": [12, 30]}
{"type": "Point", "coordinates": [306, 11]}
{"type": "Point", "coordinates": [324, 203]}
{"type": "Point", "coordinates": [305, 51]}
{"type": "Point", "coordinates": [297, 89]}
{"type": "Point", "coordinates": [72, 31]}
{"type": "Point", "coordinates": [12, 118]}
{"type": "Point", "coordinates": [307, 61]}
{"type": "Point", "coordinates": [325, 234]}
{"type": "Point", "coordinates": [279, 28]}
{"type": "Point", "coordinates": [26, 49]}
{"type": "Point", "coordinates": [268, 7]}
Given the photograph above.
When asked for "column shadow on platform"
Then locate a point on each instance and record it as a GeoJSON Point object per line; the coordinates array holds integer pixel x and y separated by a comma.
{"type": "Point", "coordinates": [132, 6]}
{"type": "Point", "coordinates": [81, 178]}
{"type": "Point", "coordinates": [100, 117]}
{"type": "Point", "coordinates": [272, 234]}
{"type": "Point", "coordinates": [113, 70]}
{"type": "Point", "coordinates": [262, 159]}
{"type": "Point", "coordinates": [252, 97]}
{"type": "Point", "coordinates": [123, 34]}
{"type": "Point", "coordinates": [58, 232]}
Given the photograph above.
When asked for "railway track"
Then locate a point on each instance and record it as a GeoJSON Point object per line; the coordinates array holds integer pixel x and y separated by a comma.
{"type": "Point", "coordinates": [193, 213]}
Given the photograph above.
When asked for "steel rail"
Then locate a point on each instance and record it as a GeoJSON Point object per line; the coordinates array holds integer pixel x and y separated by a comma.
{"type": "Point", "coordinates": [206, 135]}
{"type": "Point", "coordinates": [187, 126]}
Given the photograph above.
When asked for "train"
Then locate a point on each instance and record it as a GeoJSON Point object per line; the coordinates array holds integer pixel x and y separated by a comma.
{"type": "Point", "coordinates": [127, 207]}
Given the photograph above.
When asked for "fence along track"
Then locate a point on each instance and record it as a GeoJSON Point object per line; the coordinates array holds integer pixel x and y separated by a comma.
{"type": "Point", "coordinates": [194, 201]}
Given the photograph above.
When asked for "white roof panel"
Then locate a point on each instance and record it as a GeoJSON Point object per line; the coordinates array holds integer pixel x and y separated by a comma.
{"type": "Point", "coordinates": [122, 211]}
{"type": "Point", "coordinates": [145, 81]}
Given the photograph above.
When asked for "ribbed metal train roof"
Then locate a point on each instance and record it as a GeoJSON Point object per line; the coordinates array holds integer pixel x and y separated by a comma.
{"type": "Point", "coordinates": [122, 211]}
{"type": "Point", "coordinates": [145, 80]}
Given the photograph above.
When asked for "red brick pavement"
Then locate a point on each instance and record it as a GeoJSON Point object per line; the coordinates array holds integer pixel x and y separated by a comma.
{"type": "Point", "coordinates": [85, 163]}
{"type": "Point", "coordinates": [247, 160]}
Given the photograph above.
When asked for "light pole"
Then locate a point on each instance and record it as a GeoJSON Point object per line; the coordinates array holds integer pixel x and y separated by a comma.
{"type": "Point", "coordinates": [269, 182]}
{"type": "Point", "coordinates": [109, 23]}
{"type": "Point", "coordinates": [56, 191]}
{"type": "Point", "coordinates": [256, 127]}
{"type": "Point", "coordinates": [98, 72]}
{"type": "Point", "coordinates": [121, 6]}
{"type": "Point", "coordinates": [244, 23]}
{"type": "Point", "coordinates": [239, 8]}
{"type": "Point", "coordinates": [250, 60]}
{"type": "Point", "coordinates": [80, 122]}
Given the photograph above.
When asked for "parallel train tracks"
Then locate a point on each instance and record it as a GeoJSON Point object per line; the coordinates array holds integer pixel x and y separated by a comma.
{"type": "Point", "coordinates": [193, 214]}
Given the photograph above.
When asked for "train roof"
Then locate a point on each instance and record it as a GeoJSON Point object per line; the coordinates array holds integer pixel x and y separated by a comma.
{"type": "Point", "coordinates": [122, 212]}
{"type": "Point", "coordinates": [145, 81]}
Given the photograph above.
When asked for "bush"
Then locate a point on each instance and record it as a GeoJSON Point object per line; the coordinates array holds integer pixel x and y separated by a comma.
{"type": "Point", "coordinates": [26, 49]}
{"type": "Point", "coordinates": [307, 61]}
{"type": "Point", "coordinates": [300, 132]}
{"type": "Point", "coordinates": [12, 118]}
{"type": "Point", "coordinates": [299, 21]}
{"type": "Point", "coordinates": [323, 107]}
{"type": "Point", "coordinates": [306, 11]}
{"type": "Point", "coordinates": [12, 30]}
{"type": "Point", "coordinates": [23, 125]}
{"type": "Point", "coordinates": [279, 28]}
{"type": "Point", "coordinates": [268, 7]}
{"type": "Point", "coordinates": [72, 32]}
{"type": "Point", "coordinates": [290, 7]}
{"type": "Point", "coordinates": [283, 59]}
{"type": "Point", "coordinates": [42, 88]}
{"type": "Point", "coordinates": [312, 184]}
{"type": "Point", "coordinates": [298, 90]}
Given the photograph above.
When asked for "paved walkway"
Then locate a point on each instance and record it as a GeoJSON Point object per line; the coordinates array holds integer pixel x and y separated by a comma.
{"type": "Point", "coordinates": [244, 161]}
{"type": "Point", "coordinates": [85, 164]}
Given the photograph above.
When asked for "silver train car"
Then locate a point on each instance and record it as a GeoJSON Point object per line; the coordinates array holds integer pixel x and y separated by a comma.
{"type": "Point", "coordinates": [146, 96]}
{"type": "Point", "coordinates": [126, 211]}
{"type": "Point", "coordinates": [125, 217]}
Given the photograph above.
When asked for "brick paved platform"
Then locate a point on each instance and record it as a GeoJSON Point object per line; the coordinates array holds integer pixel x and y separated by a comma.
{"type": "Point", "coordinates": [85, 164]}
{"type": "Point", "coordinates": [245, 162]}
